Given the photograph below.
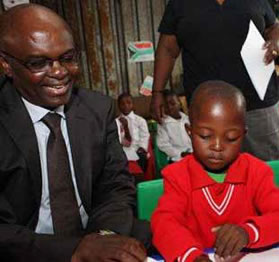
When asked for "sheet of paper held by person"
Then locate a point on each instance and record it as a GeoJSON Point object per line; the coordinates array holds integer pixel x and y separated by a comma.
{"type": "Point", "coordinates": [253, 57]}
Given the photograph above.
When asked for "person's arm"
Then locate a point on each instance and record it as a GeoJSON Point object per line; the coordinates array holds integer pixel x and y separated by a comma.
{"type": "Point", "coordinates": [113, 201]}
{"type": "Point", "coordinates": [265, 198]}
{"type": "Point", "coordinates": [166, 55]}
{"type": "Point", "coordinates": [171, 236]}
{"type": "Point", "coordinates": [271, 33]}
{"type": "Point", "coordinates": [271, 45]}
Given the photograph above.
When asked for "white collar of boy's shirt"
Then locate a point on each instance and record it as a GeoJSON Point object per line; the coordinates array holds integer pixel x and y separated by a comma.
{"type": "Point", "coordinates": [131, 115]}
{"type": "Point", "coordinates": [37, 112]}
{"type": "Point", "coordinates": [169, 119]}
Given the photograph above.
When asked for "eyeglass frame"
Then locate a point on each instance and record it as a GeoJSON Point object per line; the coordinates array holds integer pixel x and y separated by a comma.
{"type": "Point", "coordinates": [49, 61]}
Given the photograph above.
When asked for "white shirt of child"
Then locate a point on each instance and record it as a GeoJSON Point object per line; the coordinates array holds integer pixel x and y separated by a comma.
{"type": "Point", "coordinates": [139, 133]}
{"type": "Point", "coordinates": [172, 137]}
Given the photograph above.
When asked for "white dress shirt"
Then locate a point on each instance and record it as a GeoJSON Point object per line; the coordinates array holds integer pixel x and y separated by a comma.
{"type": "Point", "coordinates": [172, 137]}
{"type": "Point", "coordinates": [36, 113]}
{"type": "Point", "coordinates": [139, 133]}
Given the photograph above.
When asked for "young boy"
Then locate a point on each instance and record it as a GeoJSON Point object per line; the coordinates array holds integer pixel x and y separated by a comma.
{"type": "Point", "coordinates": [216, 197]}
{"type": "Point", "coordinates": [172, 137]}
{"type": "Point", "coordinates": [133, 131]}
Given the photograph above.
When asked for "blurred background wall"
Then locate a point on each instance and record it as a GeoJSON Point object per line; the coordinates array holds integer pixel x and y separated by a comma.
{"type": "Point", "coordinates": [103, 29]}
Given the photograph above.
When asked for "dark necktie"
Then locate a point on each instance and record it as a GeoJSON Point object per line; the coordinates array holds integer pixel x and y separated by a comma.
{"type": "Point", "coordinates": [127, 134]}
{"type": "Point", "coordinates": [63, 204]}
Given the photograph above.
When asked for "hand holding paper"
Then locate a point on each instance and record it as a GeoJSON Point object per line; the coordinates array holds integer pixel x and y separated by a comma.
{"type": "Point", "coordinates": [253, 57]}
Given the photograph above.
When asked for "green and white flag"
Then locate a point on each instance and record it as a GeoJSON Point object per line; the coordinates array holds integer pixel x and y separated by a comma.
{"type": "Point", "coordinates": [142, 51]}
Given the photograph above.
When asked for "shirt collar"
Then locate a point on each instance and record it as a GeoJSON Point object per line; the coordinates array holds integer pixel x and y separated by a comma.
{"type": "Point", "coordinates": [130, 115]}
{"type": "Point", "coordinates": [37, 112]}
{"type": "Point", "coordinates": [169, 119]}
{"type": "Point", "coordinates": [237, 172]}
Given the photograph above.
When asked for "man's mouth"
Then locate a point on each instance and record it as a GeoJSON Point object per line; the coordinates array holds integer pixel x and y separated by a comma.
{"type": "Point", "coordinates": [59, 89]}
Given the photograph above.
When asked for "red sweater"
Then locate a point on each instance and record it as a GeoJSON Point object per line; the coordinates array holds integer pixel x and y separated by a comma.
{"type": "Point", "coordinates": [193, 203]}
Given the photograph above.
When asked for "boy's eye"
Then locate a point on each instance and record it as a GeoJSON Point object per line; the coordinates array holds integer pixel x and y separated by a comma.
{"type": "Point", "coordinates": [204, 137]}
{"type": "Point", "coordinates": [232, 139]}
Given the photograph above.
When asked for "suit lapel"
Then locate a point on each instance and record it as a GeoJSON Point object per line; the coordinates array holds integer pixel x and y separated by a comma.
{"type": "Point", "coordinates": [16, 120]}
{"type": "Point", "coordinates": [79, 131]}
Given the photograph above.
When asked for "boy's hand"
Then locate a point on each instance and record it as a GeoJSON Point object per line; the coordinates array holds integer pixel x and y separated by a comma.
{"type": "Point", "coordinates": [141, 151]}
{"type": "Point", "coordinates": [230, 239]}
{"type": "Point", "coordinates": [202, 258]}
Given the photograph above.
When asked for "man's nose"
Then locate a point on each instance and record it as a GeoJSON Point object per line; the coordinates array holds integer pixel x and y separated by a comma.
{"type": "Point", "coordinates": [58, 70]}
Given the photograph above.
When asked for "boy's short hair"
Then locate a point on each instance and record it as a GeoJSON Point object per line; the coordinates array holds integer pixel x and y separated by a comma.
{"type": "Point", "coordinates": [123, 95]}
{"type": "Point", "coordinates": [216, 89]}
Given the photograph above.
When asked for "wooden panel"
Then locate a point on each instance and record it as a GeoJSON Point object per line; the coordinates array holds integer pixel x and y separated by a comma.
{"type": "Point", "coordinates": [108, 47]}
{"type": "Point", "coordinates": [144, 17]}
{"type": "Point", "coordinates": [130, 34]}
{"type": "Point", "coordinates": [91, 29]}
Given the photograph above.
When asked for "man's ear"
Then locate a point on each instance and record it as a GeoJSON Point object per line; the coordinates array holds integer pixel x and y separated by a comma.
{"type": "Point", "coordinates": [188, 129]}
{"type": "Point", "coordinates": [5, 67]}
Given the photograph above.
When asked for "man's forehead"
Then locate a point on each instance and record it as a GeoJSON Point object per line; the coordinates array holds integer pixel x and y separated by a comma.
{"type": "Point", "coordinates": [49, 29]}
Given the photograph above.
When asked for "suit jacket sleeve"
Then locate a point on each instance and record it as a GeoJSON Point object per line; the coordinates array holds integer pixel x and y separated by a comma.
{"type": "Point", "coordinates": [114, 193]}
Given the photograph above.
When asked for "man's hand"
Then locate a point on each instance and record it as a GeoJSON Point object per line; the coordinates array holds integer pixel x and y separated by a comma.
{"type": "Point", "coordinates": [202, 258]}
{"type": "Point", "coordinates": [230, 239]}
{"type": "Point", "coordinates": [157, 106]}
{"type": "Point", "coordinates": [97, 248]}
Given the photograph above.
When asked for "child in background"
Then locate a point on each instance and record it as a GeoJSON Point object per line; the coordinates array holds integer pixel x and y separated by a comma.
{"type": "Point", "coordinates": [216, 197]}
{"type": "Point", "coordinates": [133, 131]}
{"type": "Point", "coordinates": [172, 137]}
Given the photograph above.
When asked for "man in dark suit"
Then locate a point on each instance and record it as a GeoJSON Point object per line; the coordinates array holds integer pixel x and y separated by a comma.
{"type": "Point", "coordinates": [40, 62]}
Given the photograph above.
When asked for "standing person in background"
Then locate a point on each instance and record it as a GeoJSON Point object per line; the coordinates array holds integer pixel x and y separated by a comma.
{"type": "Point", "coordinates": [210, 35]}
{"type": "Point", "coordinates": [172, 137]}
{"type": "Point", "coordinates": [66, 194]}
{"type": "Point", "coordinates": [133, 132]}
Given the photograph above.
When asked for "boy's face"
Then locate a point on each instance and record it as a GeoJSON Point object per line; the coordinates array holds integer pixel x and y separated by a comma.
{"type": "Point", "coordinates": [217, 131]}
{"type": "Point", "coordinates": [126, 105]}
{"type": "Point", "coordinates": [172, 106]}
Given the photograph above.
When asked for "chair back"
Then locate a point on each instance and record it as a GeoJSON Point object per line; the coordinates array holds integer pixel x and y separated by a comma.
{"type": "Point", "coordinates": [148, 194]}
{"type": "Point", "coordinates": [274, 164]}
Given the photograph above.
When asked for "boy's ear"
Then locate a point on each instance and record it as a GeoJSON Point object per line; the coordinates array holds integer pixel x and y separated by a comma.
{"type": "Point", "coordinates": [188, 129]}
{"type": "Point", "coordinates": [5, 67]}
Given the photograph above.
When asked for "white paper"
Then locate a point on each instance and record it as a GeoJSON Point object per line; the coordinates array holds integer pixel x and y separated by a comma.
{"type": "Point", "coordinates": [253, 58]}
{"type": "Point", "coordinates": [149, 259]}
{"type": "Point", "coordinates": [271, 255]}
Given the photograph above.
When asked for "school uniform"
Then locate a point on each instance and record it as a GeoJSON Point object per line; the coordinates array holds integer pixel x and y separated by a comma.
{"type": "Point", "coordinates": [139, 133]}
{"type": "Point", "coordinates": [193, 203]}
{"type": "Point", "coordinates": [172, 137]}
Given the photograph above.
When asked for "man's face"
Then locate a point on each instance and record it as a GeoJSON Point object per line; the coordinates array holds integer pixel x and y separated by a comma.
{"type": "Point", "coordinates": [217, 132]}
{"type": "Point", "coordinates": [126, 105]}
{"type": "Point", "coordinates": [48, 86]}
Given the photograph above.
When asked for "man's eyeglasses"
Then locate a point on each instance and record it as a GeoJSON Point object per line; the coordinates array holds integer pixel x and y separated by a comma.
{"type": "Point", "coordinates": [44, 64]}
